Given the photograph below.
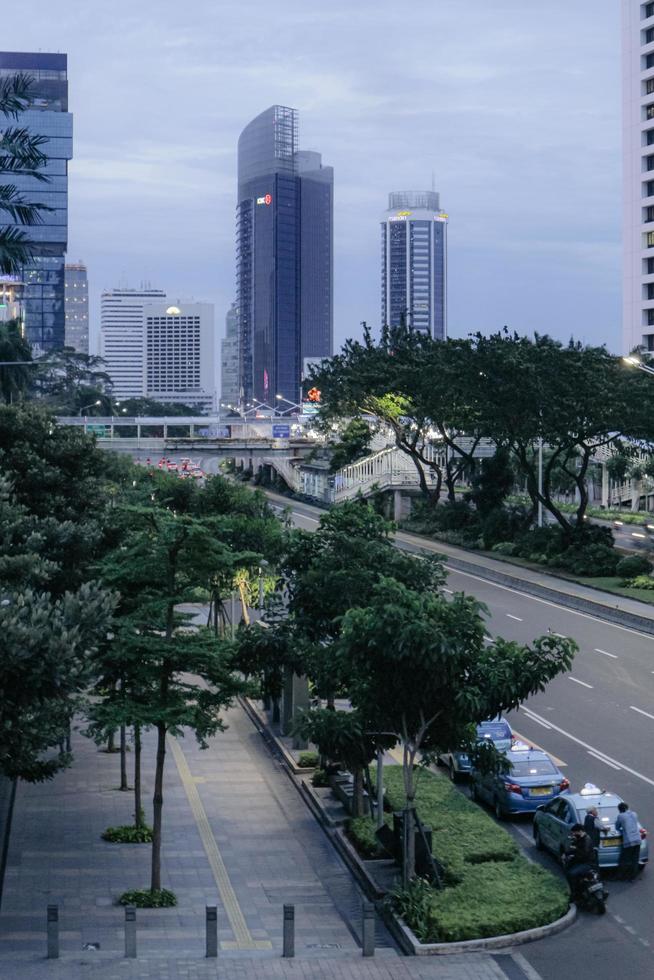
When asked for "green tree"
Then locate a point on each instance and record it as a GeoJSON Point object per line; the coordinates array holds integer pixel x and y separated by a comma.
{"type": "Point", "coordinates": [15, 378]}
{"type": "Point", "coordinates": [21, 156]}
{"type": "Point", "coordinates": [417, 666]}
{"type": "Point", "coordinates": [183, 675]}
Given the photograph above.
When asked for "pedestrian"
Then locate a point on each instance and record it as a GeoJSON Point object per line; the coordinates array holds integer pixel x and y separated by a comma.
{"type": "Point", "coordinates": [592, 828]}
{"type": "Point", "coordinates": [627, 825]}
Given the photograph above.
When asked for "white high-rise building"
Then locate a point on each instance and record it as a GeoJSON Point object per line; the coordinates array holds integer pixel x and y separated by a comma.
{"type": "Point", "coordinates": [638, 174]}
{"type": "Point", "coordinates": [414, 263]}
{"type": "Point", "coordinates": [180, 353]}
{"type": "Point", "coordinates": [122, 337]}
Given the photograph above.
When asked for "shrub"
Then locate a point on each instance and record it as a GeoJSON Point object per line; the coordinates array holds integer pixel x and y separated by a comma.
{"type": "Point", "coordinates": [454, 537]}
{"type": "Point", "coordinates": [308, 760]}
{"type": "Point", "coordinates": [128, 835]}
{"type": "Point", "coordinates": [633, 565]}
{"type": "Point", "coordinates": [320, 777]}
{"type": "Point", "coordinates": [144, 898]}
{"type": "Point", "coordinates": [641, 582]}
{"type": "Point", "coordinates": [361, 831]}
{"type": "Point", "coordinates": [505, 548]}
{"type": "Point", "coordinates": [591, 559]}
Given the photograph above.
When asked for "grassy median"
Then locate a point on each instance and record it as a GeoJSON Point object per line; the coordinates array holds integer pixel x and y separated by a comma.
{"type": "Point", "coordinates": [490, 887]}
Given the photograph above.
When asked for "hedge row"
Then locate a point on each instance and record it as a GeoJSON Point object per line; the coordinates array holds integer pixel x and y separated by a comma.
{"type": "Point", "coordinates": [491, 889]}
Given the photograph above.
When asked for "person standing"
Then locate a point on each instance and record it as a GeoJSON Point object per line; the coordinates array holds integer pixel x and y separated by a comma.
{"type": "Point", "coordinates": [592, 828]}
{"type": "Point", "coordinates": [627, 825]}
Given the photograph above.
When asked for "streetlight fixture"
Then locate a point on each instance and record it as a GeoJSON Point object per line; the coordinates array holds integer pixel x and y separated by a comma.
{"type": "Point", "coordinates": [90, 405]}
{"type": "Point", "coordinates": [292, 405]}
{"type": "Point", "coordinates": [636, 362]}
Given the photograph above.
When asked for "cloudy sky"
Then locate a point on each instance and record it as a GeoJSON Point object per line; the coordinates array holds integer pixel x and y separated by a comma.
{"type": "Point", "coordinates": [513, 105]}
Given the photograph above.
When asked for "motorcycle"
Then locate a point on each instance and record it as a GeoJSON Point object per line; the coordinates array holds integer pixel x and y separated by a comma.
{"type": "Point", "coordinates": [589, 893]}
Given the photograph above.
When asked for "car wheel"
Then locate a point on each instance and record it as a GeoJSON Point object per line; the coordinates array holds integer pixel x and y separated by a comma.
{"type": "Point", "coordinates": [474, 796]}
{"type": "Point", "coordinates": [538, 841]}
{"type": "Point", "coordinates": [500, 813]}
{"type": "Point", "coordinates": [453, 774]}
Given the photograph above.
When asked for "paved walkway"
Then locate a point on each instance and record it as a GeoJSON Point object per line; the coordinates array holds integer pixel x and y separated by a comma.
{"type": "Point", "coordinates": [236, 835]}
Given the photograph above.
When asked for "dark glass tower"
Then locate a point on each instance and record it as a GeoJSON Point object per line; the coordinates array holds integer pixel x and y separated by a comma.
{"type": "Point", "coordinates": [284, 257]}
{"type": "Point", "coordinates": [44, 294]}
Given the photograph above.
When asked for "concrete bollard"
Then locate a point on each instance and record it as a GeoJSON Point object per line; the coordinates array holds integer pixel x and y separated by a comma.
{"type": "Point", "coordinates": [211, 913]}
{"type": "Point", "coordinates": [53, 932]}
{"type": "Point", "coordinates": [289, 931]}
{"type": "Point", "coordinates": [130, 932]}
{"type": "Point", "coordinates": [368, 929]}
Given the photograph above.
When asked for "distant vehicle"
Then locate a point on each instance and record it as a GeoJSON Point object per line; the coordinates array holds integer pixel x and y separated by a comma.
{"type": "Point", "coordinates": [530, 778]}
{"type": "Point", "coordinates": [458, 763]}
{"type": "Point", "coordinates": [552, 823]}
{"type": "Point", "coordinates": [172, 467]}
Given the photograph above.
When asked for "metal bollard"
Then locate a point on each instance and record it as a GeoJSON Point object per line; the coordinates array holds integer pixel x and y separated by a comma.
{"type": "Point", "coordinates": [130, 932]}
{"type": "Point", "coordinates": [289, 931]}
{"type": "Point", "coordinates": [368, 929]}
{"type": "Point", "coordinates": [53, 932]}
{"type": "Point", "coordinates": [211, 914]}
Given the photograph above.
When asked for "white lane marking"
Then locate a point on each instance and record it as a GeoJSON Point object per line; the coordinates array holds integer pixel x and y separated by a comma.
{"type": "Point", "coordinates": [561, 636]}
{"type": "Point", "coordinates": [547, 602]}
{"type": "Point", "coordinates": [543, 724]}
{"type": "Point", "coordinates": [641, 712]}
{"type": "Point", "coordinates": [515, 617]}
{"type": "Point", "coordinates": [602, 759]}
{"type": "Point", "coordinates": [314, 520]}
{"type": "Point", "coordinates": [606, 653]}
{"type": "Point", "coordinates": [591, 748]}
{"type": "Point", "coordinates": [577, 681]}
{"type": "Point", "coordinates": [489, 639]}
{"type": "Point", "coordinates": [526, 967]}
{"type": "Point", "coordinates": [449, 591]}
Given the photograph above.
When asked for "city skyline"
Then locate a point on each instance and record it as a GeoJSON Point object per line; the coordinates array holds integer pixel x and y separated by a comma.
{"type": "Point", "coordinates": [536, 231]}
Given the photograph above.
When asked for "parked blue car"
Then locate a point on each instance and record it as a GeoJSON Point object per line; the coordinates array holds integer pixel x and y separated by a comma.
{"type": "Point", "coordinates": [458, 763]}
{"type": "Point", "coordinates": [553, 821]}
{"type": "Point", "coordinates": [530, 780]}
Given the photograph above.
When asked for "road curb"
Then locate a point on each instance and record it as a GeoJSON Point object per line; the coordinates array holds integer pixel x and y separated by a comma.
{"type": "Point", "coordinates": [403, 935]}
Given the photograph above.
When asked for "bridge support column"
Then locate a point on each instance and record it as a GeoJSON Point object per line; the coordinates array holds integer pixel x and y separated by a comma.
{"type": "Point", "coordinates": [397, 505]}
{"type": "Point", "coordinates": [138, 435]}
{"type": "Point", "coordinates": [605, 485]}
{"type": "Point", "coordinates": [295, 697]}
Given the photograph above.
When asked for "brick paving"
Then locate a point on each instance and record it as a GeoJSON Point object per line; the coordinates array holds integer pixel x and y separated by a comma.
{"type": "Point", "coordinates": [236, 835]}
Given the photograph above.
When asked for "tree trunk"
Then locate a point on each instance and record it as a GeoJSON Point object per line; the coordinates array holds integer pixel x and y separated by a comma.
{"type": "Point", "coordinates": [357, 794]}
{"type": "Point", "coordinates": [123, 759]}
{"type": "Point", "coordinates": [409, 863]}
{"type": "Point", "coordinates": [138, 804]}
{"type": "Point", "coordinates": [244, 605]}
{"type": "Point", "coordinates": [157, 809]}
{"type": "Point", "coordinates": [111, 742]}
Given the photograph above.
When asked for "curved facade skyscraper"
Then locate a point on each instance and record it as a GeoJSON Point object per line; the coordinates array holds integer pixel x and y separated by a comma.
{"type": "Point", "coordinates": [414, 263]}
{"type": "Point", "coordinates": [284, 257]}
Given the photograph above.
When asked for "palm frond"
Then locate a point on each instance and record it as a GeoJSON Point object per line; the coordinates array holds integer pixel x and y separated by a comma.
{"type": "Point", "coordinates": [15, 250]}
{"type": "Point", "coordinates": [20, 144]}
{"type": "Point", "coordinates": [14, 94]}
{"type": "Point", "coordinates": [23, 212]}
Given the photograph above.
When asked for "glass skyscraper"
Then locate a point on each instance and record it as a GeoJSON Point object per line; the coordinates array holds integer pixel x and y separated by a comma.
{"type": "Point", "coordinates": [284, 257]}
{"type": "Point", "coordinates": [44, 290]}
{"type": "Point", "coordinates": [414, 263]}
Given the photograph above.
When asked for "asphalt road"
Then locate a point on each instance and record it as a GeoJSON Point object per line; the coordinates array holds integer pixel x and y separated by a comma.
{"type": "Point", "coordinates": [598, 720]}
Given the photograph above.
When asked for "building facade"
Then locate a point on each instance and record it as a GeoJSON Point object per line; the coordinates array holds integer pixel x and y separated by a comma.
{"type": "Point", "coordinates": [122, 337]}
{"type": "Point", "coordinates": [77, 307]}
{"type": "Point", "coordinates": [229, 359]}
{"type": "Point", "coordinates": [48, 116]}
{"type": "Point", "coordinates": [180, 354]}
{"type": "Point", "coordinates": [414, 263]}
{"type": "Point", "coordinates": [284, 257]}
{"type": "Point", "coordinates": [638, 175]}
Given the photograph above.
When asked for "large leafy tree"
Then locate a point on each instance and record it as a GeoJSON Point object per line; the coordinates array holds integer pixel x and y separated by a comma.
{"type": "Point", "coordinates": [21, 155]}
{"type": "Point", "coordinates": [417, 665]}
{"type": "Point", "coordinates": [15, 373]}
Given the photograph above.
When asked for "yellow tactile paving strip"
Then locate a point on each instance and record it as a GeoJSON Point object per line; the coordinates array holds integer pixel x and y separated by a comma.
{"type": "Point", "coordinates": [227, 894]}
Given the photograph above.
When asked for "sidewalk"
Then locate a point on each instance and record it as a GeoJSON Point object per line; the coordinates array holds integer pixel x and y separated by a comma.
{"type": "Point", "coordinates": [236, 835]}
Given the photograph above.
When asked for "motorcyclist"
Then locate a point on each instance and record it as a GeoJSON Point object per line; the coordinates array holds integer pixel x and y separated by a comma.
{"type": "Point", "coordinates": [579, 858]}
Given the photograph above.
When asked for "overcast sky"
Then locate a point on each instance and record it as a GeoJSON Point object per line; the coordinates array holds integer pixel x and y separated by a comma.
{"type": "Point", "coordinates": [513, 105]}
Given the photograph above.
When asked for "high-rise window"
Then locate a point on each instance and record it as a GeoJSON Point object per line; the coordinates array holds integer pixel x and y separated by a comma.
{"type": "Point", "coordinates": [648, 9]}
{"type": "Point", "coordinates": [650, 239]}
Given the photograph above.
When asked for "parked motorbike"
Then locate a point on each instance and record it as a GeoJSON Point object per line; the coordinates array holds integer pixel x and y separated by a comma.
{"type": "Point", "coordinates": [589, 893]}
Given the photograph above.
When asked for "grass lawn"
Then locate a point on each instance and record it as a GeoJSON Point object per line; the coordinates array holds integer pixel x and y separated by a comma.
{"type": "Point", "coordinates": [490, 887]}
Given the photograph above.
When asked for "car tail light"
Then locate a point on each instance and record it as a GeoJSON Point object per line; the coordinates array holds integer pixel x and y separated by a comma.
{"type": "Point", "coordinates": [565, 784]}
{"type": "Point", "coordinates": [512, 788]}
{"type": "Point", "coordinates": [643, 833]}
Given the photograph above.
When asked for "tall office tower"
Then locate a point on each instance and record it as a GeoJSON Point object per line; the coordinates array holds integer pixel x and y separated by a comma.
{"type": "Point", "coordinates": [180, 355]}
{"type": "Point", "coordinates": [638, 175]}
{"type": "Point", "coordinates": [44, 302]}
{"type": "Point", "coordinates": [229, 359]}
{"type": "Point", "coordinates": [414, 263]}
{"type": "Point", "coordinates": [284, 257]}
{"type": "Point", "coordinates": [77, 307]}
{"type": "Point", "coordinates": [122, 337]}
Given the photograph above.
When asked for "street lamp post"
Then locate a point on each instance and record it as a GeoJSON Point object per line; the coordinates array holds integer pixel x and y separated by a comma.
{"type": "Point", "coordinates": [292, 405]}
{"type": "Point", "coordinates": [636, 362]}
{"type": "Point", "coordinates": [540, 481]}
{"type": "Point", "coordinates": [90, 405]}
